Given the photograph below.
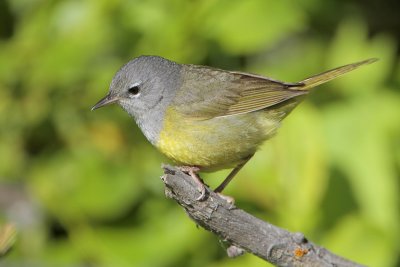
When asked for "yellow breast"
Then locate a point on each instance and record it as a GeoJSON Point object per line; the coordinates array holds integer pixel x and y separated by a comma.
{"type": "Point", "coordinates": [216, 143]}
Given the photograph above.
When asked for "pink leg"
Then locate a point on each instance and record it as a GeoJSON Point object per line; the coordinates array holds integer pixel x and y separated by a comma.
{"type": "Point", "coordinates": [192, 171]}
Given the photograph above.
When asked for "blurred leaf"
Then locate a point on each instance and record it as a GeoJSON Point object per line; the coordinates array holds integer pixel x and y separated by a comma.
{"type": "Point", "coordinates": [136, 247]}
{"type": "Point", "coordinates": [358, 144]}
{"type": "Point", "coordinates": [8, 235]}
{"type": "Point", "coordinates": [374, 249]}
{"type": "Point", "coordinates": [301, 166]}
{"type": "Point", "coordinates": [351, 42]}
{"type": "Point", "coordinates": [75, 187]}
{"type": "Point", "coordinates": [245, 26]}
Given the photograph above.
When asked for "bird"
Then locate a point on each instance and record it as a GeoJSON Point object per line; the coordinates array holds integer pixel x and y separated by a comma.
{"type": "Point", "coordinates": [203, 118]}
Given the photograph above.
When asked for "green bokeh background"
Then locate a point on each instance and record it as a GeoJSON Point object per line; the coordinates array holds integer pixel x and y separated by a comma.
{"type": "Point", "coordinates": [83, 187]}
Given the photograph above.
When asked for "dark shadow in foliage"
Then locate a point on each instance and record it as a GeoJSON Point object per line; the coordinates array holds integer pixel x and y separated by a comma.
{"type": "Point", "coordinates": [339, 200]}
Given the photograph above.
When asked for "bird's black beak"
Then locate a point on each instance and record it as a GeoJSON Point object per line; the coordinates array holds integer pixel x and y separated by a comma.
{"type": "Point", "coordinates": [107, 100]}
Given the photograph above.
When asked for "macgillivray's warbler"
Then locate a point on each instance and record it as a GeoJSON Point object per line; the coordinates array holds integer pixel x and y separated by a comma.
{"type": "Point", "coordinates": [203, 118]}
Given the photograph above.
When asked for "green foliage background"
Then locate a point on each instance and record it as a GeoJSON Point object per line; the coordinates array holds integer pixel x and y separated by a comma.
{"type": "Point", "coordinates": [82, 187]}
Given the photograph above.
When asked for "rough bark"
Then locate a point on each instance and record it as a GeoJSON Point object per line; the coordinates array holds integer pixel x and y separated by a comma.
{"type": "Point", "coordinates": [244, 232]}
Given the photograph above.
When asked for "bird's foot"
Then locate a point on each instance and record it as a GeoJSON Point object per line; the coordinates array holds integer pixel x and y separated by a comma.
{"type": "Point", "coordinates": [192, 171]}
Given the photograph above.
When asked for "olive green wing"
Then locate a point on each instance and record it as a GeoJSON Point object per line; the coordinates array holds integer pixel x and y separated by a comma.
{"type": "Point", "coordinates": [207, 92]}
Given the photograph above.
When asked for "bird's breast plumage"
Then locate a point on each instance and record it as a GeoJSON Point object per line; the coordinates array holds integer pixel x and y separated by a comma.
{"type": "Point", "coordinates": [216, 143]}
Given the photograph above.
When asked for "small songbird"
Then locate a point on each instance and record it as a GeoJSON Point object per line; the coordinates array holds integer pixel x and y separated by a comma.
{"type": "Point", "coordinates": [204, 118]}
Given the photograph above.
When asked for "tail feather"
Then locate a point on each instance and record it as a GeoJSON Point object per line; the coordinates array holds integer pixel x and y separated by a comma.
{"type": "Point", "coordinates": [326, 76]}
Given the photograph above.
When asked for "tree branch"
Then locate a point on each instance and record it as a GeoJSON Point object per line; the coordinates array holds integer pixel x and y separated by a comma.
{"type": "Point", "coordinates": [242, 231]}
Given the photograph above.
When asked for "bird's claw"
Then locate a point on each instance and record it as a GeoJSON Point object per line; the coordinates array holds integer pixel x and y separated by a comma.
{"type": "Point", "coordinates": [202, 190]}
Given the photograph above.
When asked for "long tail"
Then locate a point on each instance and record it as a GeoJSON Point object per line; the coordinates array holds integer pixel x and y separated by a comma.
{"type": "Point", "coordinates": [331, 74]}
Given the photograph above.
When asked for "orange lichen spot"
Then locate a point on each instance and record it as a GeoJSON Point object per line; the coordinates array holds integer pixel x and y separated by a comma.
{"type": "Point", "coordinates": [300, 252]}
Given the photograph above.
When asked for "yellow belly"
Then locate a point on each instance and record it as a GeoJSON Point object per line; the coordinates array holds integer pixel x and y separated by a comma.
{"type": "Point", "coordinates": [216, 143]}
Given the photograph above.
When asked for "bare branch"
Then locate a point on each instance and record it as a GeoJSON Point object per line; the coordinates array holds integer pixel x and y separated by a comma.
{"type": "Point", "coordinates": [243, 231]}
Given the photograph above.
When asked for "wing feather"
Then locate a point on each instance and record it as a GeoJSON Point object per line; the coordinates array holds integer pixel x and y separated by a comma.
{"type": "Point", "coordinates": [207, 93]}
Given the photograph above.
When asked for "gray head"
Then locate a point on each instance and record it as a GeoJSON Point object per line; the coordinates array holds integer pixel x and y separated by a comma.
{"type": "Point", "coordinates": [144, 87]}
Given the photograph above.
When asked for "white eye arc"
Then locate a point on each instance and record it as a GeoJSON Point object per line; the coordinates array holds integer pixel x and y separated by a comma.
{"type": "Point", "coordinates": [134, 90]}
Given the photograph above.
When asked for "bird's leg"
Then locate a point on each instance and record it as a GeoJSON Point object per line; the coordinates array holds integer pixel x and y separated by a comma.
{"type": "Point", "coordinates": [192, 171]}
{"type": "Point", "coordinates": [229, 178]}
{"type": "Point", "coordinates": [231, 175]}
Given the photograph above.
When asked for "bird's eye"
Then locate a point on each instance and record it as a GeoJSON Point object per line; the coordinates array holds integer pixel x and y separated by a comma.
{"type": "Point", "coordinates": [134, 90]}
